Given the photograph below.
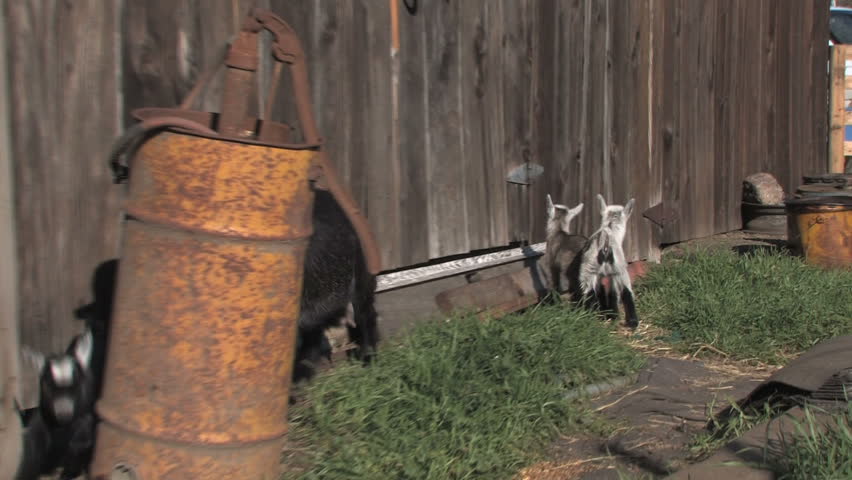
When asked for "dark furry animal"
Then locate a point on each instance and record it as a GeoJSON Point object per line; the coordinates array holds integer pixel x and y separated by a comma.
{"type": "Point", "coordinates": [35, 445]}
{"type": "Point", "coordinates": [97, 316]}
{"type": "Point", "coordinates": [335, 280]}
{"type": "Point", "coordinates": [60, 432]}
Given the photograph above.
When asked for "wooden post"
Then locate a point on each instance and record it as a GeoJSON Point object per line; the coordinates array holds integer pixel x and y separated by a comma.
{"type": "Point", "coordinates": [836, 159]}
{"type": "Point", "coordinates": [10, 427]}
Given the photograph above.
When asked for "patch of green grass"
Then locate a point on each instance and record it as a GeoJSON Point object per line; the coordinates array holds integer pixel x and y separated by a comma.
{"type": "Point", "coordinates": [819, 448]}
{"type": "Point", "coordinates": [764, 306]}
{"type": "Point", "coordinates": [737, 423]}
{"type": "Point", "coordinates": [460, 398]}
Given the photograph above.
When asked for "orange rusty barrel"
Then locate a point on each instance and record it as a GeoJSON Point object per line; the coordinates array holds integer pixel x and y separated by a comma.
{"type": "Point", "coordinates": [820, 229]}
{"type": "Point", "coordinates": [206, 309]}
{"type": "Point", "coordinates": [219, 213]}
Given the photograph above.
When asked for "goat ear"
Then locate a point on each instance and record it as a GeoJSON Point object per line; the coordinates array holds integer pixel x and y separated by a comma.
{"type": "Point", "coordinates": [83, 349]}
{"type": "Point", "coordinates": [575, 211]}
{"type": "Point", "coordinates": [601, 203]}
{"type": "Point", "coordinates": [551, 210]}
{"type": "Point", "coordinates": [628, 209]}
{"type": "Point", "coordinates": [33, 358]}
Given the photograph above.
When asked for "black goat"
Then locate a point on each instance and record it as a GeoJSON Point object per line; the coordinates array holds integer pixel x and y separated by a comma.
{"type": "Point", "coordinates": [60, 432]}
{"type": "Point", "coordinates": [335, 280]}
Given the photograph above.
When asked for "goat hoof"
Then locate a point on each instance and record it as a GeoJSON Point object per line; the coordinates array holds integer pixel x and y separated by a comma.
{"type": "Point", "coordinates": [633, 323]}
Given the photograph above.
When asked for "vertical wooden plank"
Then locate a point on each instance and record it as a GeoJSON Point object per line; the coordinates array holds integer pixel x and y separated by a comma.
{"type": "Point", "coordinates": [688, 190]}
{"type": "Point", "coordinates": [413, 114]}
{"type": "Point", "coordinates": [750, 123]}
{"type": "Point", "coordinates": [494, 122]}
{"type": "Point", "coordinates": [629, 152]}
{"type": "Point", "coordinates": [816, 35]}
{"type": "Point", "coordinates": [620, 126]}
{"type": "Point", "coordinates": [545, 65]}
{"type": "Point", "coordinates": [795, 97]}
{"type": "Point", "coordinates": [680, 170]}
{"type": "Point", "coordinates": [444, 164]}
{"type": "Point", "coordinates": [656, 138]}
{"type": "Point", "coordinates": [773, 100]}
{"type": "Point", "coordinates": [742, 97]}
{"type": "Point", "coordinates": [517, 102]}
{"type": "Point", "coordinates": [597, 111]}
{"type": "Point", "coordinates": [764, 64]}
{"type": "Point", "coordinates": [63, 65]}
{"type": "Point", "coordinates": [474, 63]}
{"type": "Point", "coordinates": [329, 81]}
{"type": "Point", "coordinates": [670, 115]}
{"type": "Point", "coordinates": [10, 385]}
{"type": "Point", "coordinates": [779, 86]}
{"type": "Point", "coordinates": [570, 100]}
{"type": "Point", "coordinates": [727, 191]}
{"type": "Point", "coordinates": [702, 108]}
{"type": "Point", "coordinates": [382, 167]}
{"type": "Point", "coordinates": [592, 126]}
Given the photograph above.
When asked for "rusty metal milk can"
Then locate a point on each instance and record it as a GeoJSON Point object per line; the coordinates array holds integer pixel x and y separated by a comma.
{"type": "Point", "coordinates": [209, 285]}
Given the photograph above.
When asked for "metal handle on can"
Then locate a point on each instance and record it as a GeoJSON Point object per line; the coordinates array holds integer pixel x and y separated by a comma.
{"type": "Point", "coordinates": [130, 139]}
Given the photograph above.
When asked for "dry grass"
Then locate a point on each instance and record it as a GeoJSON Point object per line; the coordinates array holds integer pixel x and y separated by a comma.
{"type": "Point", "coordinates": [561, 470]}
{"type": "Point", "coordinates": [649, 340]}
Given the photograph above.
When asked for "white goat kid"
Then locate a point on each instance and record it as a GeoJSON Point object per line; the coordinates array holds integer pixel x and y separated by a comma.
{"type": "Point", "coordinates": [603, 257]}
{"type": "Point", "coordinates": [563, 247]}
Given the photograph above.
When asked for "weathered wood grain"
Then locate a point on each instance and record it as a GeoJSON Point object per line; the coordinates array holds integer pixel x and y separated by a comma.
{"type": "Point", "coordinates": [447, 207]}
{"type": "Point", "coordinates": [382, 182]}
{"type": "Point", "coordinates": [10, 372]}
{"type": "Point", "coordinates": [565, 164]}
{"type": "Point", "coordinates": [545, 51]}
{"type": "Point", "coordinates": [494, 125]}
{"type": "Point", "coordinates": [474, 51]}
{"type": "Point", "coordinates": [632, 175]}
{"type": "Point", "coordinates": [516, 70]}
{"type": "Point", "coordinates": [414, 99]}
{"type": "Point", "coordinates": [63, 64]}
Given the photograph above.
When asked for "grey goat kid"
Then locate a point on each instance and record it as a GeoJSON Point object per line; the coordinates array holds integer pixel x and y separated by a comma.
{"type": "Point", "coordinates": [563, 247]}
{"type": "Point", "coordinates": [603, 257]}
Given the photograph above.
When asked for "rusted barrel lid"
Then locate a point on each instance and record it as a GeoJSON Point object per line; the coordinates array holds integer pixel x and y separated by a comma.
{"type": "Point", "coordinates": [823, 190]}
{"type": "Point", "coordinates": [828, 178]}
{"type": "Point", "coordinates": [819, 201]}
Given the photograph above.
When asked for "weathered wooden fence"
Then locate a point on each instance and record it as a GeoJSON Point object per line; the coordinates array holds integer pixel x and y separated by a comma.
{"type": "Point", "coordinates": [668, 101]}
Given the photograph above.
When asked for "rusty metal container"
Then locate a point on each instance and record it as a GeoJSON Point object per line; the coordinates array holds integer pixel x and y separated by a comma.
{"type": "Point", "coordinates": [206, 308]}
{"type": "Point", "coordinates": [820, 229]}
{"type": "Point", "coordinates": [219, 214]}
